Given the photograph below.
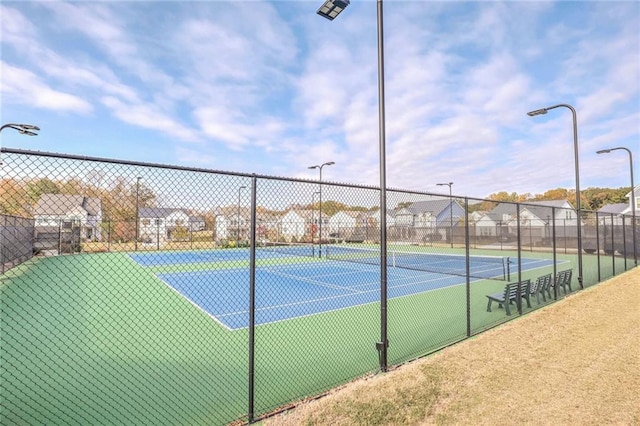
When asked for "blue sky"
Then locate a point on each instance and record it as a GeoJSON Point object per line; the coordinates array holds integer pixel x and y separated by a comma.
{"type": "Point", "coordinates": [271, 88]}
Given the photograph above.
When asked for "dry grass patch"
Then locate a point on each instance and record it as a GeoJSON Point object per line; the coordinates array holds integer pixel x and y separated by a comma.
{"type": "Point", "coordinates": [574, 362]}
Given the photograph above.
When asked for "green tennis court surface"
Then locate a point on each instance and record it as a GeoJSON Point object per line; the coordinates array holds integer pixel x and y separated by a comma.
{"type": "Point", "coordinates": [98, 338]}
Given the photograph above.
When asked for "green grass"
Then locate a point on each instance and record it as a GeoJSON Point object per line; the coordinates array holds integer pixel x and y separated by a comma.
{"type": "Point", "coordinates": [96, 338]}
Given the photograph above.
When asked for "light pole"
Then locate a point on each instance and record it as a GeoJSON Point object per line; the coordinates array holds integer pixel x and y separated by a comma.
{"type": "Point", "coordinates": [25, 129]}
{"type": "Point", "coordinates": [577, 173]}
{"type": "Point", "coordinates": [238, 219]}
{"type": "Point", "coordinates": [633, 198]}
{"type": "Point", "coordinates": [137, 210]}
{"type": "Point", "coordinates": [330, 9]}
{"type": "Point", "coordinates": [313, 224]}
{"type": "Point", "coordinates": [330, 163]}
{"type": "Point", "coordinates": [449, 184]}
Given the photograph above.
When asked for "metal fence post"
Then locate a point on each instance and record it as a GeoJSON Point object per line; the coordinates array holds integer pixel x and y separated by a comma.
{"type": "Point", "coordinates": [467, 264]}
{"type": "Point", "coordinates": [598, 245]}
{"type": "Point", "coordinates": [252, 301]}
{"type": "Point", "coordinates": [613, 247]}
{"type": "Point", "coordinates": [519, 242]}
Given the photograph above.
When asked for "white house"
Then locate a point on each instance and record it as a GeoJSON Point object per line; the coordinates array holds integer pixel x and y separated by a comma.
{"type": "Point", "coordinates": [343, 224]}
{"type": "Point", "coordinates": [636, 195]}
{"type": "Point", "coordinates": [159, 224]}
{"type": "Point", "coordinates": [53, 211]}
{"type": "Point", "coordinates": [536, 219]}
{"type": "Point", "coordinates": [232, 223]}
{"type": "Point", "coordinates": [298, 223]}
{"type": "Point", "coordinates": [482, 224]}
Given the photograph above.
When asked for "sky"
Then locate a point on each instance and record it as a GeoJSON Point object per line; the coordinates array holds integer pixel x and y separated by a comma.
{"type": "Point", "coordinates": [270, 87]}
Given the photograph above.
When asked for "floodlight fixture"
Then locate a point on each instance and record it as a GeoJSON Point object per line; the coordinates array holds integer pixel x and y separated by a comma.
{"type": "Point", "coordinates": [538, 112]}
{"type": "Point", "coordinates": [24, 129]}
{"type": "Point", "coordinates": [332, 8]}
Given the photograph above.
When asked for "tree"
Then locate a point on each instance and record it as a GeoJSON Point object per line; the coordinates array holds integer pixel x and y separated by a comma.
{"type": "Point", "coordinates": [35, 188]}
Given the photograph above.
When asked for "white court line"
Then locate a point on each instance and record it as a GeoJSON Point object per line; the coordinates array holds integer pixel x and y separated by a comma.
{"type": "Point", "coordinates": [321, 299]}
{"type": "Point", "coordinates": [311, 281]}
{"type": "Point", "coordinates": [210, 315]}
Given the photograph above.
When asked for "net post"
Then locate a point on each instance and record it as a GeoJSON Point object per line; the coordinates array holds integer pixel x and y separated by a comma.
{"type": "Point", "coordinates": [508, 269]}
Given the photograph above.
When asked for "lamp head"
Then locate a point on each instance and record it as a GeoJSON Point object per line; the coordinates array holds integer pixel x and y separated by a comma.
{"type": "Point", "coordinates": [27, 132]}
{"type": "Point", "coordinates": [29, 126]}
{"type": "Point", "coordinates": [332, 8]}
{"type": "Point", "coordinates": [537, 112]}
{"type": "Point", "coordinates": [603, 151]}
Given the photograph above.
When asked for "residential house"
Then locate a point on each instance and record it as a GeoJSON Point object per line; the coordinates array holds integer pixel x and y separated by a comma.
{"type": "Point", "coordinates": [636, 195]}
{"type": "Point", "coordinates": [300, 223]}
{"type": "Point", "coordinates": [537, 219]}
{"type": "Point", "coordinates": [482, 225]}
{"type": "Point", "coordinates": [612, 214]}
{"type": "Point", "coordinates": [369, 223]}
{"type": "Point", "coordinates": [196, 223]}
{"type": "Point", "coordinates": [54, 212]}
{"type": "Point", "coordinates": [344, 224]}
{"type": "Point", "coordinates": [232, 223]}
{"type": "Point", "coordinates": [430, 220]}
{"type": "Point", "coordinates": [160, 224]}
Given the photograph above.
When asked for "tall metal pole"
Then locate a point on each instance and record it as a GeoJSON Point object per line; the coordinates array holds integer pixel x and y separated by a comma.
{"type": "Point", "coordinates": [330, 9]}
{"type": "Point", "coordinates": [449, 184]}
{"type": "Point", "coordinates": [238, 220]}
{"type": "Point", "coordinates": [313, 224]}
{"type": "Point", "coordinates": [252, 299]}
{"type": "Point", "coordinates": [137, 211]}
{"type": "Point", "coordinates": [319, 167]}
{"type": "Point", "coordinates": [320, 215]}
{"type": "Point", "coordinates": [577, 173]}
{"type": "Point", "coordinates": [633, 199]}
{"type": "Point", "coordinates": [384, 342]}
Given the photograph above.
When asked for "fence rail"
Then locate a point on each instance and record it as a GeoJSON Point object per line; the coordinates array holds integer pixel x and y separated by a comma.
{"type": "Point", "coordinates": [146, 293]}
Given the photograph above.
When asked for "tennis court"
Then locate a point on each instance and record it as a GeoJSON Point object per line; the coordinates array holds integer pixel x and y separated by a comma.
{"type": "Point", "coordinates": [346, 277]}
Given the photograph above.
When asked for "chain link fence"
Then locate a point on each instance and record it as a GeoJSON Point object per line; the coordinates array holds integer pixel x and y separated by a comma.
{"type": "Point", "coordinates": [142, 293]}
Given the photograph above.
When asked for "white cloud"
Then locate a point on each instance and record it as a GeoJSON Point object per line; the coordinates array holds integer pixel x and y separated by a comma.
{"type": "Point", "coordinates": [23, 87]}
{"type": "Point", "coordinates": [147, 116]}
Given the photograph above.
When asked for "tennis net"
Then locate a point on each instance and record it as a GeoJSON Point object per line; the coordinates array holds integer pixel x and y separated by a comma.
{"type": "Point", "coordinates": [489, 267]}
{"type": "Point", "coordinates": [291, 249]}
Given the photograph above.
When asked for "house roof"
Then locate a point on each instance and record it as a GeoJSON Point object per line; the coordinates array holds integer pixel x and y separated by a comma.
{"type": "Point", "coordinates": [153, 212]}
{"type": "Point", "coordinates": [541, 209]}
{"type": "Point", "coordinates": [636, 191]}
{"type": "Point", "coordinates": [350, 213]}
{"type": "Point", "coordinates": [433, 206]}
{"type": "Point", "coordinates": [613, 208]}
{"type": "Point", "coordinates": [62, 204]}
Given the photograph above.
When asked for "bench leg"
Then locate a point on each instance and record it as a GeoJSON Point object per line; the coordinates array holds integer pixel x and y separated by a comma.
{"type": "Point", "coordinates": [489, 306]}
{"type": "Point", "coordinates": [506, 308]}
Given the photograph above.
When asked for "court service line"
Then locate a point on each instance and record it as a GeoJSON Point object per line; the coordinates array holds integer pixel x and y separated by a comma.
{"type": "Point", "coordinates": [309, 280]}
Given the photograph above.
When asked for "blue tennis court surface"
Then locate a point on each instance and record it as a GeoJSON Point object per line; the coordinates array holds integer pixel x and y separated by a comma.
{"type": "Point", "coordinates": [291, 290]}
